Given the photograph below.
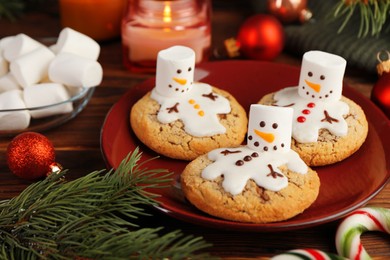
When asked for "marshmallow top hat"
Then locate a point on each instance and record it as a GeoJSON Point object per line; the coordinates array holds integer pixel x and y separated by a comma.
{"type": "Point", "coordinates": [321, 76]}
{"type": "Point", "coordinates": [269, 128]}
{"type": "Point", "coordinates": [175, 71]}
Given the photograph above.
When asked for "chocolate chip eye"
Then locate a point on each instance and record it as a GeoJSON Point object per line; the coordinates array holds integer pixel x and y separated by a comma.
{"type": "Point", "coordinates": [322, 77]}
{"type": "Point", "coordinates": [310, 74]}
{"type": "Point", "coordinates": [262, 124]}
{"type": "Point", "coordinates": [189, 69]}
{"type": "Point", "coordinates": [178, 71]}
{"type": "Point", "coordinates": [274, 125]}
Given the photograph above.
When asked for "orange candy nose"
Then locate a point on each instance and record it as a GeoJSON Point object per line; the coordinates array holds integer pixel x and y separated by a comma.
{"type": "Point", "coordinates": [180, 81]}
{"type": "Point", "coordinates": [268, 137]}
{"type": "Point", "coordinates": [314, 86]}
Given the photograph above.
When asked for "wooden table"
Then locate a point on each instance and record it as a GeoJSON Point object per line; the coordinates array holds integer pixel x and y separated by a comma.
{"type": "Point", "coordinates": [77, 146]}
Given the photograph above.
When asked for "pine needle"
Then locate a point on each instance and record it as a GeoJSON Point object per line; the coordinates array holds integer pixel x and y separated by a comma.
{"type": "Point", "coordinates": [373, 15]}
{"type": "Point", "coordinates": [91, 217]}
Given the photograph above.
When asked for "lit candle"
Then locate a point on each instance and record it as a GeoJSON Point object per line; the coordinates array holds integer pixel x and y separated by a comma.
{"type": "Point", "coordinates": [152, 25]}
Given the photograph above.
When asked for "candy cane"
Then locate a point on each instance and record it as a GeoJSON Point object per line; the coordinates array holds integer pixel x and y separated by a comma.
{"type": "Point", "coordinates": [307, 254]}
{"type": "Point", "coordinates": [348, 242]}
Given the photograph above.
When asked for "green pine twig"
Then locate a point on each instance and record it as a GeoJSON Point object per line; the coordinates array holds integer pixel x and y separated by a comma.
{"type": "Point", "coordinates": [11, 9]}
{"type": "Point", "coordinates": [90, 217]}
{"type": "Point", "coordinates": [373, 15]}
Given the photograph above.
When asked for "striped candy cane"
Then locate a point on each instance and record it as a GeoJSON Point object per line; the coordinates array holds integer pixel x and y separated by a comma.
{"type": "Point", "coordinates": [307, 254]}
{"type": "Point", "coordinates": [348, 241]}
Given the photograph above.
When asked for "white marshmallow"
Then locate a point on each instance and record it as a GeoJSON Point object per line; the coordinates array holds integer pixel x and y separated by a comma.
{"type": "Point", "coordinates": [73, 70]}
{"type": "Point", "coordinates": [269, 128]}
{"type": "Point", "coordinates": [15, 120]}
{"type": "Point", "coordinates": [175, 71]}
{"type": "Point", "coordinates": [72, 41]}
{"type": "Point", "coordinates": [32, 67]}
{"type": "Point", "coordinates": [8, 82]}
{"type": "Point", "coordinates": [4, 42]}
{"type": "Point", "coordinates": [46, 94]}
{"type": "Point", "coordinates": [321, 76]}
{"type": "Point", "coordinates": [4, 66]}
{"type": "Point", "coordinates": [19, 45]}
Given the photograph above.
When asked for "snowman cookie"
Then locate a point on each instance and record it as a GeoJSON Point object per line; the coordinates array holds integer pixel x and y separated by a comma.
{"type": "Point", "coordinates": [327, 127]}
{"type": "Point", "coordinates": [261, 182]}
{"type": "Point", "coordinates": [183, 119]}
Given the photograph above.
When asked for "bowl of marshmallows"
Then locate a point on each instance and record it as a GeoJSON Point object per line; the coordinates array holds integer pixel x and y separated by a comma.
{"type": "Point", "coordinates": [44, 86]}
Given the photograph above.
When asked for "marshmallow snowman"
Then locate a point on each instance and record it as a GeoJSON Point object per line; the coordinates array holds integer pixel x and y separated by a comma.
{"type": "Point", "coordinates": [268, 147]}
{"type": "Point", "coordinates": [269, 128]}
{"type": "Point", "coordinates": [175, 71]}
{"type": "Point", "coordinates": [316, 100]}
{"type": "Point", "coordinates": [180, 98]}
{"type": "Point", "coordinates": [321, 76]}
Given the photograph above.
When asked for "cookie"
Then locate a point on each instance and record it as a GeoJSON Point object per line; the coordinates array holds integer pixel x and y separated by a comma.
{"type": "Point", "coordinates": [330, 148]}
{"type": "Point", "coordinates": [327, 127]}
{"type": "Point", "coordinates": [172, 139]}
{"type": "Point", "coordinates": [183, 119]}
{"type": "Point", "coordinates": [254, 204]}
{"type": "Point", "coordinates": [263, 181]}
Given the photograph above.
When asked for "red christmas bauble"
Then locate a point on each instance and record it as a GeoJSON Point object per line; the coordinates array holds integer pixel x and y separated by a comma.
{"type": "Point", "coordinates": [380, 94]}
{"type": "Point", "coordinates": [30, 155]}
{"type": "Point", "coordinates": [261, 37]}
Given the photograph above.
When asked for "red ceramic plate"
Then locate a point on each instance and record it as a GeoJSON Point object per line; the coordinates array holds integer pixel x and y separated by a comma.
{"type": "Point", "coordinates": [345, 186]}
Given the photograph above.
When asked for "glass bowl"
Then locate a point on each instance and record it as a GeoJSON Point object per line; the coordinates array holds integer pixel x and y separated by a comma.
{"type": "Point", "coordinates": [78, 100]}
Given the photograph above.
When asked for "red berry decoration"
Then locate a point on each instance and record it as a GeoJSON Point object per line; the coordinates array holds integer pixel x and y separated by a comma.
{"type": "Point", "coordinates": [30, 155]}
{"type": "Point", "coordinates": [381, 91]}
{"type": "Point", "coordinates": [261, 37]}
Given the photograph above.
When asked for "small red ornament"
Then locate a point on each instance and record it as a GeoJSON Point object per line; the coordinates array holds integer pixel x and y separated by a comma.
{"type": "Point", "coordinates": [30, 155]}
{"type": "Point", "coordinates": [289, 11]}
{"type": "Point", "coordinates": [261, 37]}
{"type": "Point", "coordinates": [380, 94]}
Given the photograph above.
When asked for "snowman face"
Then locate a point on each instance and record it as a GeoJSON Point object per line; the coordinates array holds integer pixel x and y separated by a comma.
{"type": "Point", "coordinates": [321, 76]}
{"type": "Point", "coordinates": [175, 71]}
{"type": "Point", "coordinates": [269, 128]}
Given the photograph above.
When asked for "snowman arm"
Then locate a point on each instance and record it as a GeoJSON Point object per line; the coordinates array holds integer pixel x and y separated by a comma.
{"type": "Point", "coordinates": [168, 113]}
{"type": "Point", "coordinates": [220, 105]}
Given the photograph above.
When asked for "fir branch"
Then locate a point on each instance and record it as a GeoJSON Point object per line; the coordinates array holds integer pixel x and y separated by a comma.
{"type": "Point", "coordinates": [11, 9]}
{"type": "Point", "coordinates": [90, 217]}
{"type": "Point", "coordinates": [373, 15]}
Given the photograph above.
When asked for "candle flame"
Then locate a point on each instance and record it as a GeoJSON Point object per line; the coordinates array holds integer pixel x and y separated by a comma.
{"type": "Point", "coordinates": [167, 15]}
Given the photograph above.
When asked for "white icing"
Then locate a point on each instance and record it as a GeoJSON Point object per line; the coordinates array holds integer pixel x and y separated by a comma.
{"type": "Point", "coordinates": [257, 168]}
{"type": "Point", "coordinates": [182, 99]}
{"type": "Point", "coordinates": [269, 128]}
{"type": "Point", "coordinates": [307, 131]}
{"type": "Point", "coordinates": [198, 113]}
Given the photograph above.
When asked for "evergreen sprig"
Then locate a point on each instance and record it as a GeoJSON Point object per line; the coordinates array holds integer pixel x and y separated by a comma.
{"type": "Point", "coordinates": [11, 9]}
{"type": "Point", "coordinates": [90, 218]}
{"type": "Point", "coordinates": [373, 15]}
